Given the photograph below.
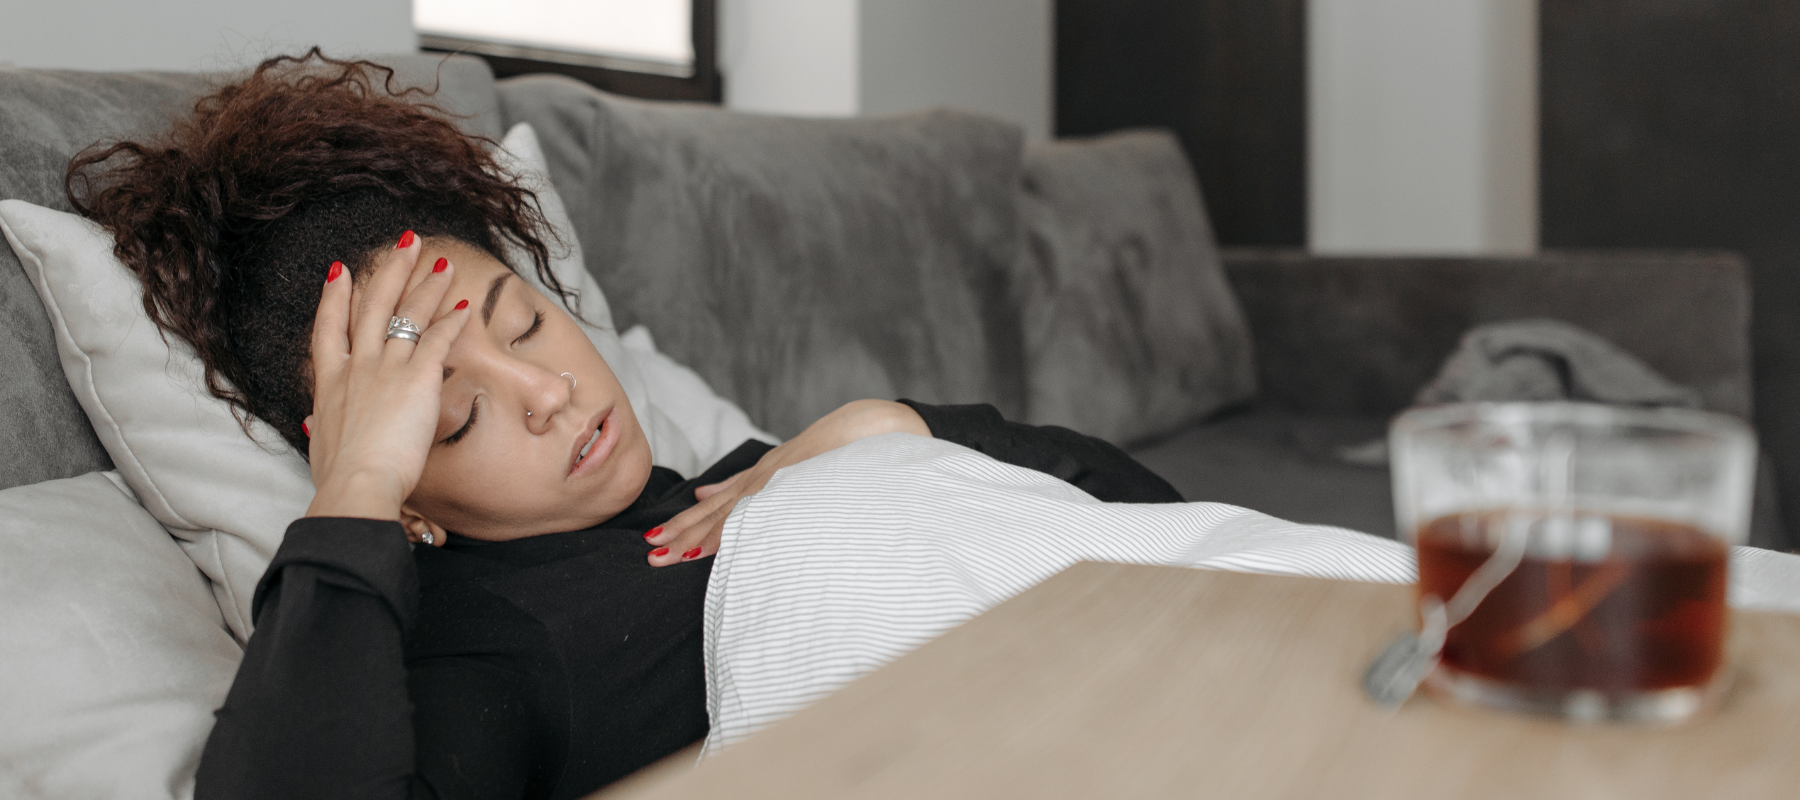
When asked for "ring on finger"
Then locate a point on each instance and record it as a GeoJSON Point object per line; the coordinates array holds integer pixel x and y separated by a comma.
{"type": "Point", "coordinates": [403, 328]}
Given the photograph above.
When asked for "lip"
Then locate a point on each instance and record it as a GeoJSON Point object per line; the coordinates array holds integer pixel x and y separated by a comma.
{"type": "Point", "coordinates": [609, 437]}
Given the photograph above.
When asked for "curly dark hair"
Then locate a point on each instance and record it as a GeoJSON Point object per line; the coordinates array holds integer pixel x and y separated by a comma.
{"type": "Point", "coordinates": [232, 217]}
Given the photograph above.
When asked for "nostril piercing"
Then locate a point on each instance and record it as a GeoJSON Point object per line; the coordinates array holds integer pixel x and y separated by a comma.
{"type": "Point", "coordinates": [572, 381]}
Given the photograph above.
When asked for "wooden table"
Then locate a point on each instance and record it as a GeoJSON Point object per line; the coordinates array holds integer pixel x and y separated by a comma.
{"type": "Point", "coordinates": [1126, 681]}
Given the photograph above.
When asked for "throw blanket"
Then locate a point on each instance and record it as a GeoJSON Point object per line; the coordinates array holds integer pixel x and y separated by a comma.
{"type": "Point", "coordinates": [847, 561]}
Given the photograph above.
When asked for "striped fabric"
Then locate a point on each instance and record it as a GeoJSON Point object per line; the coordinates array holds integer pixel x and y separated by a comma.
{"type": "Point", "coordinates": [847, 561]}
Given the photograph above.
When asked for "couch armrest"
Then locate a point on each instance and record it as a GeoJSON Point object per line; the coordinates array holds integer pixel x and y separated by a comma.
{"type": "Point", "coordinates": [1363, 334]}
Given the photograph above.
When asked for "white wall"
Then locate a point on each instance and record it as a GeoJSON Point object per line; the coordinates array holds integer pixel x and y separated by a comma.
{"type": "Point", "coordinates": [844, 58]}
{"type": "Point", "coordinates": [793, 57]}
{"type": "Point", "coordinates": [1422, 126]}
{"type": "Point", "coordinates": [195, 34]}
{"type": "Point", "coordinates": [992, 56]}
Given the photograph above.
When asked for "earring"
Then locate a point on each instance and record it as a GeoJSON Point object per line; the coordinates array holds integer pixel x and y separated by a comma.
{"type": "Point", "coordinates": [427, 538]}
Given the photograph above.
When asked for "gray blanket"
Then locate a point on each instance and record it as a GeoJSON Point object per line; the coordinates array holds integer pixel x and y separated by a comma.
{"type": "Point", "coordinates": [1537, 360]}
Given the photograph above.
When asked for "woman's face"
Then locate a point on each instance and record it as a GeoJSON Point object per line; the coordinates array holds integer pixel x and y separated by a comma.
{"type": "Point", "coordinates": [507, 460]}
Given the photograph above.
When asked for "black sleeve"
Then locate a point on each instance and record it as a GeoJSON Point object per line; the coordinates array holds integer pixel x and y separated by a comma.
{"type": "Point", "coordinates": [320, 706]}
{"type": "Point", "coordinates": [1092, 465]}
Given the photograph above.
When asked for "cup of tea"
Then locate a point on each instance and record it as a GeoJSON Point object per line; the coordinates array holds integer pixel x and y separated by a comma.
{"type": "Point", "coordinates": [1573, 555]}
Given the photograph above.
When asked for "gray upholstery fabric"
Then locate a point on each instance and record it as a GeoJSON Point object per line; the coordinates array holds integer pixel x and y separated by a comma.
{"type": "Point", "coordinates": [796, 264]}
{"type": "Point", "coordinates": [1279, 463]}
{"type": "Point", "coordinates": [1131, 329]}
{"type": "Point", "coordinates": [45, 118]}
{"type": "Point", "coordinates": [1362, 335]}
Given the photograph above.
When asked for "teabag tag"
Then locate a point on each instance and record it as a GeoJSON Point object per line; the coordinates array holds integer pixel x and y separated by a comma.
{"type": "Point", "coordinates": [1398, 671]}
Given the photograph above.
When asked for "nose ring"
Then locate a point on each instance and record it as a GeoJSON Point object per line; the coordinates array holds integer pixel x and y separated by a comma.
{"type": "Point", "coordinates": [572, 382]}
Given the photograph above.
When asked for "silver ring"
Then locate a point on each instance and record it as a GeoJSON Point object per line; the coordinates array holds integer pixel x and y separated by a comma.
{"type": "Point", "coordinates": [572, 381]}
{"type": "Point", "coordinates": [403, 328]}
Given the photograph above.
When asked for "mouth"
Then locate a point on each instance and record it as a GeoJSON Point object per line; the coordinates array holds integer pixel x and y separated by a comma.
{"type": "Point", "coordinates": [592, 446]}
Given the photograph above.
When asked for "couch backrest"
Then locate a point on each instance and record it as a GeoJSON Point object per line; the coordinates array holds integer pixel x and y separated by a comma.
{"type": "Point", "coordinates": [796, 264]}
{"type": "Point", "coordinates": [1364, 334]}
{"type": "Point", "coordinates": [46, 116]}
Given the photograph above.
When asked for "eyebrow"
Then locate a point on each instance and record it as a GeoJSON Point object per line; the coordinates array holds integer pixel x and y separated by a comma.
{"type": "Point", "coordinates": [493, 296]}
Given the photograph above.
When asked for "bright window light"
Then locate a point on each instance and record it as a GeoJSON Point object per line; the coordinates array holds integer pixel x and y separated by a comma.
{"type": "Point", "coordinates": [648, 35]}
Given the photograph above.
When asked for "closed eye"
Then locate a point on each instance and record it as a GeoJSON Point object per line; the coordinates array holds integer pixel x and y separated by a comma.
{"type": "Point", "coordinates": [537, 321]}
{"type": "Point", "coordinates": [474, 411]}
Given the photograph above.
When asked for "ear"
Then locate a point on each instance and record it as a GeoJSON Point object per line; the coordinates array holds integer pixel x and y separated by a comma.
{"type": "Point", "coordinates": [417, 526]}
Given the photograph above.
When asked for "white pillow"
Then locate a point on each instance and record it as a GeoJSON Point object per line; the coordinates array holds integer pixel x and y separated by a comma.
{"type": "Point", "coordinates": [115, 654]}
{"type": "Point", "coordinates": [710, 425]}
{"type": "Point", "coordinates": [225, 497]}
{"type": "Point", "coordinates": [229, 499]}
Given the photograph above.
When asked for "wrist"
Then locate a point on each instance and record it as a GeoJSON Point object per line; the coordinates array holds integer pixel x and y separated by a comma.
{"type": "Point", "coordinates": [364, 494]}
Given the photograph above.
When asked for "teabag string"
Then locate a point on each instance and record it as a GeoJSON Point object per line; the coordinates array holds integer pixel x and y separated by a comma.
{"type": "Point", "coordinates": [1399, 670]}
{"type": "Point", "coordinates": [1396, 674]}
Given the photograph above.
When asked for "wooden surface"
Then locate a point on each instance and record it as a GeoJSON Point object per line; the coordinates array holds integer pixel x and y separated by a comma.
{"type": "Point", "coordinates": [1126, 681]}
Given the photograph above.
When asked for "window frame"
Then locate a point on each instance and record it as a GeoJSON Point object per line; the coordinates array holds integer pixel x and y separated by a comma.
{"type": "Point", "coordinates": [616, 75]}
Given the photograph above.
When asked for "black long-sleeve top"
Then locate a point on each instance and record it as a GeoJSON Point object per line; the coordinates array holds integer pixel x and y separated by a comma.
{"type": "Point", "coordinates": [543, 667]}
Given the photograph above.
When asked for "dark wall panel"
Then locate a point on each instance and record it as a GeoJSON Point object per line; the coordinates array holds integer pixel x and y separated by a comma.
{"type": "Point", "coordinates": [1227, 75]}
{"type": "Point", "coordinates": [1676, 123]}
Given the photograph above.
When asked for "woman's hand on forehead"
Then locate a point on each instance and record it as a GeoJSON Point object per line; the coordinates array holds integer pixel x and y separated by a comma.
{"type": "Point", "coordinates": [376, 389]}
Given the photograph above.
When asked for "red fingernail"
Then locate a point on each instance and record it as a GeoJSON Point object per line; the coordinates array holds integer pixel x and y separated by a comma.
{"type": "Point", "coordinates": [691, 554]}
{"type": "Point", "coordinates": [406, 240]}
{"type": "Point", "coordinates": [306, 430]}
{"type": "Point", "coordinates": [337, 268]}
{"type": "Point", "coordinates": [440, 265]}
{"type": "Point", "coordinates": [651, 534]}
{"type": "Point", "coordinates": [462, 304]}
{"type": "Point", "coordinates": [660, 552]}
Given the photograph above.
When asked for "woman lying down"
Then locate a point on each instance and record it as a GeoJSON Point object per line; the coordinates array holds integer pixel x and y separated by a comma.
{"type": "Point", "coordinates": [494, 593]}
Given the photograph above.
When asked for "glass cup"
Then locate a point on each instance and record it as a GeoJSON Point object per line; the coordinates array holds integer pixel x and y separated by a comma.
{"type": "Point", "coordinates": [1576, 552]}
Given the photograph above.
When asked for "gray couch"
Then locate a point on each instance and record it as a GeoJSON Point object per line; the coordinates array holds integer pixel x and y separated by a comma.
{"type": "Point", "coordinates": [799, 264]}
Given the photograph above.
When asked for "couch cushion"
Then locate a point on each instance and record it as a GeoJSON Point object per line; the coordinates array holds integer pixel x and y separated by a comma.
{"type": "Point", "coordinates": [796, 264]}
{"type": "Point", "coordinates": [115, 654]}
{"type": "Point", "coordinates": [46, 116]}
{"type": "Point", "coordinates": [1281, 464]}
{"type": "Point", "coordinates": [1131, 329]}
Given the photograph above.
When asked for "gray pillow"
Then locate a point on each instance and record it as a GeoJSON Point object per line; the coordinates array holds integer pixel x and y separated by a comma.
{"type": "Point", "coordinates": [1131, 330]}
{"type": "Point", "coordinates": [796, 264]}
{"type": "Point", "coordinates": [46, 116]}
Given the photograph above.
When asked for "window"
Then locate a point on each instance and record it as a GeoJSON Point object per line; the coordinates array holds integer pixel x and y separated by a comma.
{"type": "Point", "coordinates": [662, 49]}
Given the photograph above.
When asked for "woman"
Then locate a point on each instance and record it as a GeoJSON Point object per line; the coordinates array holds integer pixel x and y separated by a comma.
{"type": "Point", "coordinates": [334, 253]}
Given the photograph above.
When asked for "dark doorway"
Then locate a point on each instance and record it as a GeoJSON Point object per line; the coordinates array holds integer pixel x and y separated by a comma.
{"type": "Point", "coordinates": [1228, 76]}
{"type": "Point", "coordinates": [1677, 124]}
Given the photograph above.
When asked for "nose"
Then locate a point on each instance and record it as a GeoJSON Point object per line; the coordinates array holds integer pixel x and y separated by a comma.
{"type": "Point", "coordinates": [544, 394]}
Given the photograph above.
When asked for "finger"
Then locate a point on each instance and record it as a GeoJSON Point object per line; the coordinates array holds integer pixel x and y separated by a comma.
{"type": "Point", "coordinates": [434, 344]}
{"type": "Point", "coordinates": [667, 532]}
{"type": "Point", "coordinates": [703, 492]}
{"type": "Point", "coordinates": [380, 294]}
{"type": "Point", "coordinates": [421, 303]}
{"type": "Point", "coordinates": [331, 324]}
{"type": "Point", "coordinates": [698, 540]}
